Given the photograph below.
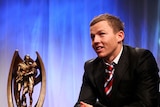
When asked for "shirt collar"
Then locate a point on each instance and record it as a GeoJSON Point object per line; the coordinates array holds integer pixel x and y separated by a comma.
{"type": "Point", "coordinates": [118, 56]}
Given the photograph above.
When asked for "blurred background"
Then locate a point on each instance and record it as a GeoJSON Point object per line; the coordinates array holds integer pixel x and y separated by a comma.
{"type": "Point", "coordinates": [59, 31]}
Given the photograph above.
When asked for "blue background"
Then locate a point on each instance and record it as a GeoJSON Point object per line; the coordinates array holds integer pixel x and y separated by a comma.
{"type": "Point", "coordinates": [59, 31]}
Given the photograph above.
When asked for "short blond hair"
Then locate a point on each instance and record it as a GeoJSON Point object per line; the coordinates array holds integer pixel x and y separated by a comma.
{"type": "Point", "coordinates": [113, 21]}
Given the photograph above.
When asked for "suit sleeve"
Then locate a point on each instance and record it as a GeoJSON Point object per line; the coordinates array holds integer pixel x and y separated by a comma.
{"type": "Point", "coordinates": [147, 81]}
{"type": "Point", "coordinates": [87, 93]}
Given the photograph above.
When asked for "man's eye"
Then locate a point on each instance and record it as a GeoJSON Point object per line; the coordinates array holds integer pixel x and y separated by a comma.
{"type": "Point", "coordinates": [101, 33]}
{"type": "Point", "coordinates": [92, 37]}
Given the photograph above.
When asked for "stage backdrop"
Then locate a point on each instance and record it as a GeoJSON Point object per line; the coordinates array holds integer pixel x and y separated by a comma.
{"type": "Point", "coordinates": [59, 31]}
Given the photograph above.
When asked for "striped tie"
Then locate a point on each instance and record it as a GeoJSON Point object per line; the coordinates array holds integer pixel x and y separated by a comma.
{"type": "Point", "coordinates": [109, 78]}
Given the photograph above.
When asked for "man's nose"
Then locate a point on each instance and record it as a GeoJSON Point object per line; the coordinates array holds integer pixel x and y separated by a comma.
{"type": "Point", "coordinates": [96, 39]}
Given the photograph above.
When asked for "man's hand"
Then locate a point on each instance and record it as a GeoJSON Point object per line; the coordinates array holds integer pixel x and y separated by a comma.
{"type": "Point", "coordinates": [83, 104]}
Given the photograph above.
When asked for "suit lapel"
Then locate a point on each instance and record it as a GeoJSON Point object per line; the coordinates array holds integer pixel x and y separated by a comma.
{"type": "Point", "coordinates": [120, 70]}
{"type": "Point", "coordinates": [100, 76]}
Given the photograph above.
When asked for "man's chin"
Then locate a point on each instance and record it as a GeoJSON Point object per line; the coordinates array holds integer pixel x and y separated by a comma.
{"type": "Point", "coordinates": [101, 56]}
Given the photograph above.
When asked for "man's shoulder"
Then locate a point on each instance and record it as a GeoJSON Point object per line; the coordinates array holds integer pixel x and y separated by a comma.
{"type": "Point", "coordinates": [135, 54]}
{"type": "Point", "coordinates": [135, 50]}
{"type": "Point", "coordinates": [93, 60]}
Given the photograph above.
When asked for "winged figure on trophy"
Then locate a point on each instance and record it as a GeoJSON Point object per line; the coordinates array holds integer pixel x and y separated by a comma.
{"type": "Point", "coordinates": [25, 74]}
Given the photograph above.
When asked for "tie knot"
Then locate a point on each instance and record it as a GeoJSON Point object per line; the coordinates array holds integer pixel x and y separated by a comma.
{"type": "Point", "coordinates": [109, 67]}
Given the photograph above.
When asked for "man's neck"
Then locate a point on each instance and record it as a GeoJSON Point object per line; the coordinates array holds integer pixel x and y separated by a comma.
{"type": "Point", "coordinates": [114, 58]}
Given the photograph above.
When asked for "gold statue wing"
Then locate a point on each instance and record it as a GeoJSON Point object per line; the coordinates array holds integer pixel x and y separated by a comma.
{"type": "Point", "coordinates": [11, 77]}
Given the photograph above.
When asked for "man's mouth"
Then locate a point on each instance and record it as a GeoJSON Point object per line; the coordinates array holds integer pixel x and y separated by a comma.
{"type": "Point", "coordinates": [98, 48]}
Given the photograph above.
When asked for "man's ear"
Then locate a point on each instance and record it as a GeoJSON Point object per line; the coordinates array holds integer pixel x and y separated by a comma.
{"type": "Point", "coordinates": [120, 36]}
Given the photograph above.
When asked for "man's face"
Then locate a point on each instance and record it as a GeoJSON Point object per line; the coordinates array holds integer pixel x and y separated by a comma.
{"type": "Point", "coordinates": [104, 41]}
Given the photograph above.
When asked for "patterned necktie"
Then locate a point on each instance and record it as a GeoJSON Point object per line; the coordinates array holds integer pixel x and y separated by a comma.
{"type": "Point", "coordinates": [109, 78]}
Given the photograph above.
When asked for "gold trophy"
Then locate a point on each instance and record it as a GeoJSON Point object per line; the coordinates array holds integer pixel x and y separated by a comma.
{"type": "Point", "coordinates": [23, 76]}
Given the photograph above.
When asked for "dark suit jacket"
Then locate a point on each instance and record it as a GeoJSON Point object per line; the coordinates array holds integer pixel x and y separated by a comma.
{"type": "Point", "coordinates": [135, 81]}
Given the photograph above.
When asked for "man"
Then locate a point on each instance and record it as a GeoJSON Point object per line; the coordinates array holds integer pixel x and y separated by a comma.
{"type": "Point", "coordinates": [132, 79]}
